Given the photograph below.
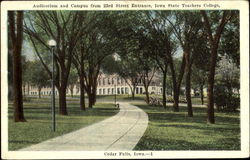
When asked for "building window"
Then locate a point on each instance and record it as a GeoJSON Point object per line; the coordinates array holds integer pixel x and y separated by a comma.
{"type": "Point", "coordinates": [137, 90]}
{"type": "Point", "coordinates": [140, 90]}
{"type": "Point", "coordinates": [112, 90]}
{"type": "Point", "coordinates": [99, 82]}
{"type": "Point", "coordinates": [100, 91]}
{"type": "Point", "coordinates": [103, 91]}
{"type": "Point", "coordinates": [108, 90]}
{"type": "Point", "coordinates": [103, 81]}
{"type": "Point", "coordinates": [118, 90]}
{"type": "Point", "coordinates": [112, 81]}
{"type": "Point", "coordinates": [122, 90]}
{"type": "Point", "coordinates": [126, 90]}
{"type": "Point", "coordinates": [108, 81]}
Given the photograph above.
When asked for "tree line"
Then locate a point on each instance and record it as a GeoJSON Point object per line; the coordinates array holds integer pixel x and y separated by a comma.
{"type": "Point", "coordinates": [176, 43]}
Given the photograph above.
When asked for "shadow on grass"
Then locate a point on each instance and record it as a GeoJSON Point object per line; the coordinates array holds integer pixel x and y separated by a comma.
{"type": "Point", "coordinates": [204, 128]}
{"type": "Point", "coordinates": [170, 130]}
{"type": "Point", "coordinates": [172, 144]}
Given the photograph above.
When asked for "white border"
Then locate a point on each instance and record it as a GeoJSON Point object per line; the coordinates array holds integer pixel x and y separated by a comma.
{"type": "Point", "coordinates": [241, 5]}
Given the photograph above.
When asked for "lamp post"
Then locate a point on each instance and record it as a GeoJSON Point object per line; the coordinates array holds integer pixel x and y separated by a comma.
{"type": "Point", "coordinates": [115, 95]}
{"type": "Point", "coordinates": [52, 44]}
{"type": "Point", "coordinates": [116, 58]}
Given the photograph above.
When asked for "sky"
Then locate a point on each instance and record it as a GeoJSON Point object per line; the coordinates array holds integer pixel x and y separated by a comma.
{"type": "Point", "coordinates": [28, 51]}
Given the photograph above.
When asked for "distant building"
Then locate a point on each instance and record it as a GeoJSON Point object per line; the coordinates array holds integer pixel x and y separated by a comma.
{"type": "Point", "coordinates": [106, 85]}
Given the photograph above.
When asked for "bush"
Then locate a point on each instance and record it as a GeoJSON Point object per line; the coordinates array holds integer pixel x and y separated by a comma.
{"type": "Point", "coordinates": [170, 99]}
{"type": "Point", "coordinates": [225, 100]}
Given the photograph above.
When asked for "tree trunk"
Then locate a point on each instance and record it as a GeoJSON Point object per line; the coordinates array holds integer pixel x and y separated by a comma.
{"type": "Point", "coordinates": [188, 93]}
{"type": "Point", "coordinates": [94, 94]}
{"type": "Point", "coordinates": [133, 93]}
{"type": "Point", "coordinates": [214, 42]}
{"type": "Point", "coordinates": [171, 90]}
{"type": "Point", "coordinates": [164, 101]}
{"type": "Point", "coordinates": [202, 96]}
{"type": "Point", "coordinates": [62, 100]}
{"type": "Point", "coordinates": [39, 92]}
{"type": "Point", "coordinates": [17, 39]}
{"type": "Point", "coordinates": [147, 94]}
{"type": "Point", "coordinates": [90, 97]}
{"type": "Point", "coordinates": [210, 89]}
{"type": "Point", "coordinates": [82, 94]}
{"type": "Point", "coordinates": [188, 83]}
{"type": "Point", "coordinates": [175, 88]}
{"type": "Point", "coordinates": [176, 100]}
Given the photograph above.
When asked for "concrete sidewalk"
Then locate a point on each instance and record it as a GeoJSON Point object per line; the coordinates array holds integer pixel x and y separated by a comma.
{"type": "Point", "coordinates": [119, 132]}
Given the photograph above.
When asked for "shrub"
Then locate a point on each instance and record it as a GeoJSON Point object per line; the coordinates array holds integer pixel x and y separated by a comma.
{"type": "Point", "coordinates": [225, 100]}
{"type": "Point", "coordinates": [170, 99]}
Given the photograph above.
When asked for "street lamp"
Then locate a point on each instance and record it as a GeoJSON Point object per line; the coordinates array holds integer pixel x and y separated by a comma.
{"type": "Point", "coordinates": [115, 95]}
{"type": "Point", "coordinates": [116, 58]}
{"type": "Point", "coordinates": [52, 44]}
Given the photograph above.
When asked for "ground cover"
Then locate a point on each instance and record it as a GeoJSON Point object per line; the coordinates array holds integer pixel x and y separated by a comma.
{"type": "Point", "coordinates": [168, 130]}
{"type": "Point", "coordinates": [38, 125]}
{"type": "Point", "coordinates": [75, 98]}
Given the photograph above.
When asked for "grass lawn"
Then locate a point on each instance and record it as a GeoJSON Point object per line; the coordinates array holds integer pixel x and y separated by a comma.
{"type": "Point", "coordinates": [121, 97]}
{"type": "Point", "coordinates": [38, 125]}
{"type": "Point", "coordinates": [168, 130]}
{"type": "Point", "coordinates": [195, 100]}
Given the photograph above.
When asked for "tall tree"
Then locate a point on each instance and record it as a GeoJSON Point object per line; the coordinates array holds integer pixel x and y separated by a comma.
{"type": "Point", "coordinates": [147, 64]}
{"type": "Point", "coordinates": [16, 38]}
{"type": "Point", "coordinates": [158, 39]}
{"type": "Point", "coordinates": [66, 28]}
{"type": "Point", "coordinates": [79, 63]}
{"type": "Point", "coordinates": [214, 32]}
{"type": "Point", "coordinates": [200, 64]}
{"type": "Point", "coordinates": [187, 27]}
{"type": "Point", "coordinates": [148, 71]}
{"type": "Point", "coordinates": [160, 23]}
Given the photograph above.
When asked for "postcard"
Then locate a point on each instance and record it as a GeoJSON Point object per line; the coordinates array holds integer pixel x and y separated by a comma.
{"type": "Point", "coordinates": [124, 79]}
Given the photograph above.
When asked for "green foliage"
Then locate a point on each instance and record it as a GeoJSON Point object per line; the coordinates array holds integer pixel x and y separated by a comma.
{"type": "Point", "coordinates": [227, 82]}
{"type": "Point", "coordinates": [224, 100]}
{"type": "Point", "coordinates": [170, 99]}
{"type": "Point", "coordinates": [229, 44]}
{"type": "Point", "coordinates": [37, 75]}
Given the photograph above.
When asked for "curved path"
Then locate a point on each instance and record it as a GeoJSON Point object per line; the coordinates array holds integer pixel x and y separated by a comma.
{"type": "Point", "coordinates": [119, 132]}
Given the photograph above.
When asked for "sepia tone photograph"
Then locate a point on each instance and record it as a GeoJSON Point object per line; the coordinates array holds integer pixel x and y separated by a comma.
{"type": "Point", "coordinates": [126, 82]}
